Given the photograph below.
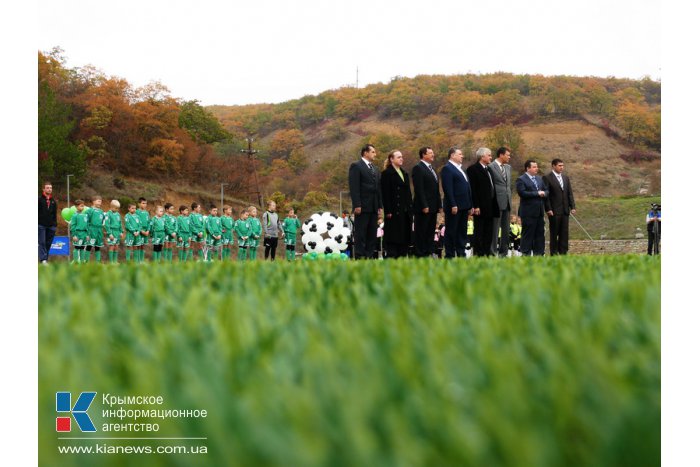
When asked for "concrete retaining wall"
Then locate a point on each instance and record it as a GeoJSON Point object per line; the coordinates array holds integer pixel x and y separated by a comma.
{"type": "Point", "coordinates": [605, 247]}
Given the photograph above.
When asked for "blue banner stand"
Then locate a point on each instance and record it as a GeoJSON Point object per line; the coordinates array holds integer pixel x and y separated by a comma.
{"type": "Point", "coordinates": [60, 246]}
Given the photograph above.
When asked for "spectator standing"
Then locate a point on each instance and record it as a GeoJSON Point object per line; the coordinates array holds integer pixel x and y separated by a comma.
{"type": "Point", "coordinates": [349, 223]}
{"type": "Point", "coordinates": [271, 226]}
{"type": "Point", "coordinates": [485, 204]}
{"type": "Point", "coordinates": [502, 180]}
{"type": "Point", "coordinates": [366, 195]}
{"type": "Point", "coordinates": [654, 220]}
{"type": "Point", "coordinates": [558, 204]}
{"type": "Point", "coordinates": [515, 232]}
{"type": "Point", "coordinates": [47, 222]}
{"type": "Point", "coordinates": [426, 202]}
{"type": "Point", "coordinates": [470, 235]}
{"type": "Point", "coordinates": [439, 240]}
{"type": "Point", "coordinates": [532, 192]}
{"type": "Point", "coordinates": [457, 204]}
{"type": "Point", "coordinates": [396, 195]}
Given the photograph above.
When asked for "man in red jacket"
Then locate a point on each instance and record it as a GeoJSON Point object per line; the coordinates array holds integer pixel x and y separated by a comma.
{"type": "Point", "coordinates": [47, 222]}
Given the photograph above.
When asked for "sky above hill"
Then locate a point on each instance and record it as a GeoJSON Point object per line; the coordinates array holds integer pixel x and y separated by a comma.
{"type": "Point", "coordinates": [233, 52]}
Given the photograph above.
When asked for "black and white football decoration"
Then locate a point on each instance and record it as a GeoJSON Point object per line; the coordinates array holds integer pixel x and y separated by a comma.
{"type": "Point", "coordinates": [324, 232]}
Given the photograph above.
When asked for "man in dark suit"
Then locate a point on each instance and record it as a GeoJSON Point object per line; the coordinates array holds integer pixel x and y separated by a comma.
{"type": "Point", "coordinates": [501, 176]}
{"type": "Point", "coordinates": [457, 204]}
{"type": "Point", "coordinates": [426, 202]}
{"type": "Point", "coordinates": [532, 194]}
{"type": "Point", "coordinates": [366, 196]}
{"type": "Point", "coordinates": [485, 204]}
{"type": "Point", "coordinates": [558, 205]}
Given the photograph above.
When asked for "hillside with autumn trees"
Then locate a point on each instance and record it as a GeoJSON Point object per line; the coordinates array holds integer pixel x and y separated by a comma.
{"type": "Point", "coordinates": [89, 121]}
{"type": "Point", "coordinates": [307, 144]}
{"type": "Point", "coordinates": [117, 139]}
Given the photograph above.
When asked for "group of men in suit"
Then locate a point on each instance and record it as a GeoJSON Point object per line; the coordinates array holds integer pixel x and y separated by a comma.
{"type": "Point", "coordinates": [551, 194]}
{"type": "Point", "coordinates": [482, 191]}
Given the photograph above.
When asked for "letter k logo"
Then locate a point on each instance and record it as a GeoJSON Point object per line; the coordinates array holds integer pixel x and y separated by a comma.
{"type": "Point", "coordinates": [79, 411]}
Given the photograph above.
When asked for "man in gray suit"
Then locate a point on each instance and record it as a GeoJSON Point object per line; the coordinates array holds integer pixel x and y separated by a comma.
{"type": "Point", "coordinates": [501, 176]}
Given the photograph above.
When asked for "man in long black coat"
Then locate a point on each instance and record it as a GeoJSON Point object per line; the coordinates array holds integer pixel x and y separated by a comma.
{"type": "Point", "coordinates": [396, 196]}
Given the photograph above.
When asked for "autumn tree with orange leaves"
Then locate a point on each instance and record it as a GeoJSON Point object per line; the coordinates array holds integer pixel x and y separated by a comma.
{"type": "Point", "coordinates": [87, 119]}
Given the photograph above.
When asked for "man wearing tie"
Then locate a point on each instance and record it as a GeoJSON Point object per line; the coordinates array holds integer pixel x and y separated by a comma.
{"type": "Point", "coordinates": [558, 204]}
{"type": "Point", "coordinates": [426, 202]}
{"type": "Point", "coordinates": [457, 204]}
{"type": "Point", "coordinates": [485, 204]}
{"type": "Point", "coordinates": [366, 196]}
{"type": "Point", "coordinates": [501, 176]}
{"type": "Point", "coordinates": [532, 192]}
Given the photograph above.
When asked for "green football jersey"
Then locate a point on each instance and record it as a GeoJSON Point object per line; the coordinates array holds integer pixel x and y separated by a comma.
{"type": "Point", "coordinates": [157, 226]}
{"type": "Point", "coordinates": [291, 226]}
{"type": "Point", "coordinates": [170, 225]}
{"type": "Point", "coordinates": [132, 223]}
{"type": "Point", "coordinates": [196, 223]}
{"type": "Point", "coordinates": [143, 219]}
{"type": "Point", "coordinates": [255, 227]}
{"type": "Point", "coordinates": [96, 218]}
{"type": "Point", "coordinates": [227, 223]}
{"type": "Point", "coordinates": [183, 226]}
{"type": "Point", "coordinates": [242, 228]}
{"type": "Point", "coordinates": [79, 222]}
{"type": "Point", "coordinates": [213, 226]}
{"type": "Point", "coordinates": [113, 223]}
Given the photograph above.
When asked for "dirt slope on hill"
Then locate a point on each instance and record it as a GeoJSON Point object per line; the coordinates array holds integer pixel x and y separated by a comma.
{"type": "Point", "coordinates": [592, 157]}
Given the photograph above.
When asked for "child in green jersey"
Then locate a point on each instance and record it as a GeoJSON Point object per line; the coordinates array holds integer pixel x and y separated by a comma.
{"type": "Point", "coordinates": [227, 232]}
{"type": "Point", "coordinates": [170, 232]}
{"type": "Point", "coordinates": [183, 232]}
{"type": "Point", "coordinates": [79, 232]}
{"type": "Point", "coordinates": [157, 229]}
{"type": "Point", "coordinates": [142, 240]}
{"type": "Point", "coordinates": [243, 230]}
{"type": "Point", "coordinates": [114, 229]}
{"type": "Point", "coordinates": [214, 233]}
{"type": "Point", "coordinates": [290, 227]}
{"type": "Point", "coordinates": [96, 219]}
{"type": "Point", "coordinates": [255, 232]}
{"type": "Point", "coordinates": [197, 229]}
{"type": "Point", "coordinates": [132, 225]}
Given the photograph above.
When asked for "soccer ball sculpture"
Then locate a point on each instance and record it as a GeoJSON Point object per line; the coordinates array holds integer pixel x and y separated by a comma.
{"type": "Point", "coordinates": [324, 233]}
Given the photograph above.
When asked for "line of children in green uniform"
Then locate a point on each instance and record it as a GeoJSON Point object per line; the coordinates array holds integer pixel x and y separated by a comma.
{"type": "Point", "coordinates": [213, 238]}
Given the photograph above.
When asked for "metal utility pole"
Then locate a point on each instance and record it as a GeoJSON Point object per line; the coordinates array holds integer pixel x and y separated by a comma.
{"type": "Point", "coordinates": [357, 78]}
{"type": "Point", "coordinates": [340, 213]}
{"type": "Point", "coordinates": [68, 187]}
{"type": "Point", "coordinates": [251, 152]}
{"type": "Point", "coordinates": [70, 238]}
{"type": "Point", "coordinates": [222, 196]}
